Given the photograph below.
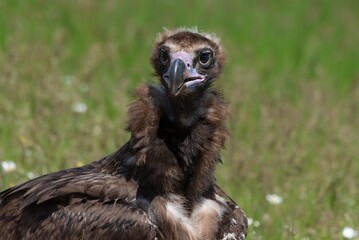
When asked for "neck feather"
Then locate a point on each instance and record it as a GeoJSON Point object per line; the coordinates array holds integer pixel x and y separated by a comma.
{"type": "Point", "coordinates": [177, 141]}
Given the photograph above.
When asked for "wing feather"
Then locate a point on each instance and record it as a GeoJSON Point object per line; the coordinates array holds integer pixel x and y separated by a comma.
{"type": "Point", "coordinates": [76, 205]}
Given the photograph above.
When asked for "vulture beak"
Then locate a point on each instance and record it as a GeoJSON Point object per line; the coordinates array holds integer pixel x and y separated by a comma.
{"type": "Point", "coordinates": [181, 76]}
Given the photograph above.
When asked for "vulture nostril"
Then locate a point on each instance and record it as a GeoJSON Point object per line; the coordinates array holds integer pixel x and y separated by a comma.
{"type": "Point", "coordinates": [188, 65]}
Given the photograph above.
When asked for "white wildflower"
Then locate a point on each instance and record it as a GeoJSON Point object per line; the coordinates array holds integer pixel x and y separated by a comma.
{"type": "Point", "coordinates": [256, 224]}
{"type": "Point", "coordinates": [68, 79]}
{"type": "Point", "coordinates": [97, 130]}
{"type": "Point", "coordinates": [31, 175]}
{"type": "Point", "coordinates": [274, 199]}
{"type": "Point", "coordinates": [8, 166]}
{"type": "Point", "coordinates": [349, 233]}
{"type": "Point", "coordinates": [79, 107]}
{"type": "Point", "coordinates": [253, 222]}
{"type": "Point", "coordinates": [250, 221]}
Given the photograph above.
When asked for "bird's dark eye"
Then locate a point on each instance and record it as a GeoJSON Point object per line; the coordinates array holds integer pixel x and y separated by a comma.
{"type": "Point", "coordinates": [164, 57]}
{"type": "Point", "coordinates": [205, 57]}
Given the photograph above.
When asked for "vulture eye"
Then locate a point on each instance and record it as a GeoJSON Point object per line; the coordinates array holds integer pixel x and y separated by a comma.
{"type": "Point", "coordinates": [164, 57]}
{"type": "Point", "coordinates": [205, 57]}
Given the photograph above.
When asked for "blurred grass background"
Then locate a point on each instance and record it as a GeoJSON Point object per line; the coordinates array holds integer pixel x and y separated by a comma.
{"type": "Point", "coordinates": [292, 80]}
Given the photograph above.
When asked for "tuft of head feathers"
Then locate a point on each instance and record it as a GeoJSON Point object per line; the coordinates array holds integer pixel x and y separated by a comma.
{"type": "Point", "coordinates": [170, 32]}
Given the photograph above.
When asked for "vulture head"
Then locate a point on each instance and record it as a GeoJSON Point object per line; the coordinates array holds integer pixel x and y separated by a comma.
{"type": "Point", "coordinates": [187, 61]}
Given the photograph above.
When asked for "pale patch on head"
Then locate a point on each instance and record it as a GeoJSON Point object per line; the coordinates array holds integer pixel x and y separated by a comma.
{"type": "Point", "coordinates": [174, 48]}
{"type": "Point", "coordinates": [170, 32]}
{"type": "Point", "coordinates": [194, 29]}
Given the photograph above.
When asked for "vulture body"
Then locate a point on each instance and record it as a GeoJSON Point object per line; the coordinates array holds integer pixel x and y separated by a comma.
{"type": "Point", "coordinates": [160, 184]}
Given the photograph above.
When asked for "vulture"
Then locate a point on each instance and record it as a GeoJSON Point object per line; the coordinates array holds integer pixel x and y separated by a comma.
{"type": "Point", "coordinates": [161, 183]}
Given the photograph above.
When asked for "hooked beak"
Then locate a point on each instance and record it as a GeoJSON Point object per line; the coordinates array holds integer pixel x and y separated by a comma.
{"type": "Point", "coordinates": [181, 77]}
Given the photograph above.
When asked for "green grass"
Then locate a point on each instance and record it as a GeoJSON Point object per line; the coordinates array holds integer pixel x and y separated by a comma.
{"type": "Point", "coordinates": [292, 80]}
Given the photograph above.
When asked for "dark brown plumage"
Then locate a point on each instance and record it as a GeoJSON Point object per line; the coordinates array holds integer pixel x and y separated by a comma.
{"type": "Point", "coordinates": [160, 184]}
